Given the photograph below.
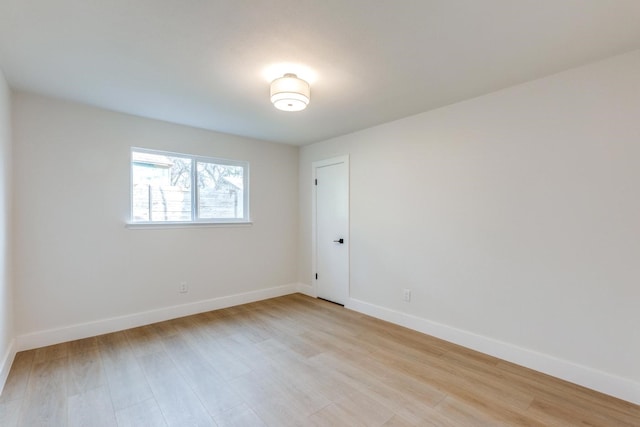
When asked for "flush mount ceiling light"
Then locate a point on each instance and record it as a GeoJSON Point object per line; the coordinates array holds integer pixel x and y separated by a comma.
{"type": "Point", "coordinates": [289, 93]}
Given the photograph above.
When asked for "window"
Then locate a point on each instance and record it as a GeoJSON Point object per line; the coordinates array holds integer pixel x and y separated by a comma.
{"type": "Point", "coordinates": [181, 188]}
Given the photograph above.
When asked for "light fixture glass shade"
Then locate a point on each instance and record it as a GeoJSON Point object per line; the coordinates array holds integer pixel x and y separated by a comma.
{"type": "Point", "coordinates": [289, 93]}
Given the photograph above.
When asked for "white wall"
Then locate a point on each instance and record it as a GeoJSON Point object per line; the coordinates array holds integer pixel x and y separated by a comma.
{"type": "Point", "coordinates": [513, 217]}
{"type": "Point", "coordinates": [75, 262]}
{"type": "Point", "coordinates": [6, 295]}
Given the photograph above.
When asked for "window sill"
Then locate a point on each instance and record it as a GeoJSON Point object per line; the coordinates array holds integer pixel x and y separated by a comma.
{"type": "Point", "coordinates": [151, 225]}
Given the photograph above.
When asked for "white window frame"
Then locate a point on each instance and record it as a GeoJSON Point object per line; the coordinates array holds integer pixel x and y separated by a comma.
{"type": "Point", "coordinates": [194, 191]}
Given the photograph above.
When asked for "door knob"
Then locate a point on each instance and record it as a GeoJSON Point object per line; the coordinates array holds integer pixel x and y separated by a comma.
{"type": "Point", "coordinates": [341, 241]}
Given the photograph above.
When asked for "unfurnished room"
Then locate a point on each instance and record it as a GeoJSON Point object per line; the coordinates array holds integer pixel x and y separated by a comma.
{"type": "Point", "coordinates": [319, 213]}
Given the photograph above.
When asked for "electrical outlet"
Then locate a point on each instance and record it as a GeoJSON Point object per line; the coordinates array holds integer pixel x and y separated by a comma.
{"type": "Point", "coordinates": [406, 295]}
{"type": "Point", "coordinates": [183, 288]}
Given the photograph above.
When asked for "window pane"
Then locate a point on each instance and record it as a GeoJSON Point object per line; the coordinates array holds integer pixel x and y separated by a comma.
{"type": "Point", "coordinates": [161, 187]}
{"type": "Point", "coordinates": [220, 191]}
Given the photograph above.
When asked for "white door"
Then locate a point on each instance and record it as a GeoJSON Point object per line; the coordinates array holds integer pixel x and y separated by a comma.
{"type": "Point", "coordinates": [332, 229]}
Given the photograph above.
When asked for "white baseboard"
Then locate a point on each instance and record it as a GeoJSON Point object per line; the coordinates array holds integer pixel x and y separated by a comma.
{"type": "Point", "coordinates": [603, 382]}
{"type": "Point", "coordinates": [7, 361]}
{"type": "Point", "coordinates": [306, 289]}
{"type": "Point", "coordinates": [113, 324]}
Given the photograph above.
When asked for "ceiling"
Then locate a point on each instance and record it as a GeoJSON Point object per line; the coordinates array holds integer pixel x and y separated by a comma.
{"type": "Point", "coordinates": [207, 63]}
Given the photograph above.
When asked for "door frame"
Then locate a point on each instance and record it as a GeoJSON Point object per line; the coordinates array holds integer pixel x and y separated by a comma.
{"type": "Point", "coordinates": [314, 219]}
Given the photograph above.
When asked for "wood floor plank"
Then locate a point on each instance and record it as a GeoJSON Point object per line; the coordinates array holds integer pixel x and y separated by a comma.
{"type": "Point", "coordinates": [144, 340]}
{"type": "Point", "coordinates": [211, 388]}
{"type": "Point", "coordinates": [227, 365]}
{"type": "Point", "coordinates": [91, 408]}
{"type": "Point", "coordinates": [85, 372]}
{"type": "Point", "coordinates": [304, 374]}
{"type": "Point", "coordinates": [453, 380]}
{"type": "Point", "coordinates": [553, 389]}
{"type": "Point", "coordinates": [413, 390]}
{"type": "Point", "coordinates": [463, 388]}
{"type": "Point", "coordinates": [278, 413]}
{"type": "Point", "coordinates": [288, 361]}
{"type": "Point", "coordinates": [165, 329]}
{"type": "Point", "coordinates": [83, 345]}
{"type": "Point", "coordinates": [51, 352]}
{"type": "Point", "coordinates": [244, 351]}
{"type": "Point", "coordinates": [16, 384]}
{"type": "Point", "coordinates": [265, 391]}
{"type": "Point", "coordinates": [239, 416]}
{"type": "Point", "coordinates": [127, 382]}
{"type": "Point", "coordinates": [548, 412]}
{"type": "Point", "coordinates": [345, 370]}
{"type": "Point", "coordinates": [180, 406]}
{"type": "Point", "coordinates": [398, 421]}
{"type": "Point", "coordinates": [10, 413]}
{"type": "Point", "coordinates": [328, 342]}
{"type": "Point", "coordinates": [459, 413]}
{"type": "Point", "coordinates": [143, 414]}
{"type": "Point", "coordinates": [356, 409]}
{"type": "Point", "coordinates": [45, 402]}
{"type": "Point", "coordinates": [424, 415]}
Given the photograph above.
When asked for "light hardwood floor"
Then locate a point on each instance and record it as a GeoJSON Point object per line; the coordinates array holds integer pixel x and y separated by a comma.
{"type": "Point", "coordinates": [287, 361]}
